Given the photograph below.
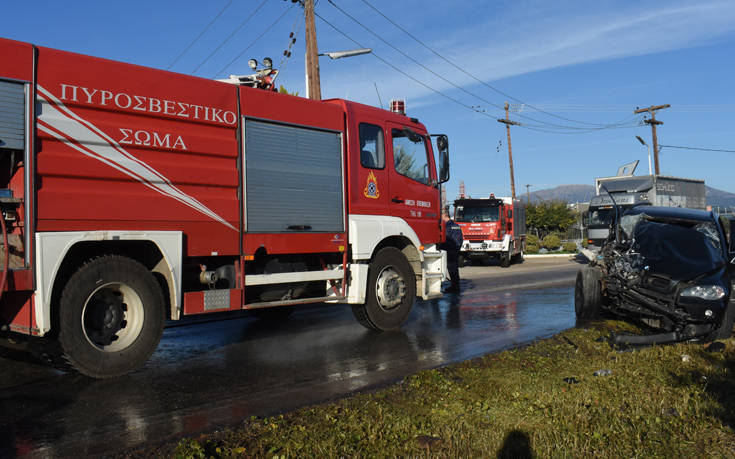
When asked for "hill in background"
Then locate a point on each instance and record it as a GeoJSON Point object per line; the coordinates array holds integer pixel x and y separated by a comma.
{"type": "Point", "coordinates": [583, 193]}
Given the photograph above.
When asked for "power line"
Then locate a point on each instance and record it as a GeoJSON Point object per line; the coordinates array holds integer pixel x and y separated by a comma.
{"type": "Point", "coordinates": [267, 29]}
{"type": "Point", "coordinates": [401, 71]}
{"type": "Point", "coordinates": [199, 36]}
{"type": "Point", "coordinates": [237, 29]}
{"type": "Point", "coordinates": [697, 148]}
{"type": "Point", "coordinates": [548, 125]}
{"type": "Point", "coordinates": [446, 96]}
{"type": "Point", "coordinates": [473, 76]}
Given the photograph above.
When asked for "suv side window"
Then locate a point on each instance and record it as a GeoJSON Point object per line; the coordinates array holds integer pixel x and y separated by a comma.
{"type": "Point", "coordinates": [409, 155]}
{"type": "Point", "coordinates": [372, 146]}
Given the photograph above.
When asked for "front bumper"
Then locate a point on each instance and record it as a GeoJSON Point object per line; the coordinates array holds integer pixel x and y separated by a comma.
{"type": "Point", "coordinates": [487, 247]}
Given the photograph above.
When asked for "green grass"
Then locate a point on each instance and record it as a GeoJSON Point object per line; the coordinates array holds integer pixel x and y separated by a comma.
{"type": "Point", "coordinates": [517, 404]}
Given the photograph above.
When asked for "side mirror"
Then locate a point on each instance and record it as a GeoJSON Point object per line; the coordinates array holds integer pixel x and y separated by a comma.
{"type": "Point", "coordinates": [442, 144]}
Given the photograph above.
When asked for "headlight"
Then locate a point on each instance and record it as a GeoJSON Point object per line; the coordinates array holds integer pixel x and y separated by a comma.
{"type": "Point", "coordinates": [705, 292]}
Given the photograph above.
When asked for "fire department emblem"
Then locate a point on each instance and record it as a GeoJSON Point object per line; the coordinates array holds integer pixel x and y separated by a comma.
{"type": "Point", "coordinates": [371, 187]}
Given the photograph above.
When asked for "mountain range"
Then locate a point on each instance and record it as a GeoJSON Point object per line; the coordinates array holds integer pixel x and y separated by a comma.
{"type": "Point", "coordinates": [583, 193]}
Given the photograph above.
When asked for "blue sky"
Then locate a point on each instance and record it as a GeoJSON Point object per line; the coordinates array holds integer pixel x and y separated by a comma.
{"type": "Point", "coordinates": [588, 62]}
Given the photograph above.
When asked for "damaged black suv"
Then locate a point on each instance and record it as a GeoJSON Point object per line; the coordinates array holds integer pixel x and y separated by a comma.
{"type": "Point", "coordinates": [669, 268]}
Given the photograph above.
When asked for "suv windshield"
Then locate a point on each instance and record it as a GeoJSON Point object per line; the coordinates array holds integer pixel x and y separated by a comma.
{"type": "Point", "coordinates": [477, 214]}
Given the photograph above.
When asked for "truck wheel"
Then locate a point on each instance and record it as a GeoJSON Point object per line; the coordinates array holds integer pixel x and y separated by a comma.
{"type": "Point", "coordinates": [391, 291]}
{"type": "Point", "coordinates": [725, 329]}
{"type": "Point", "coordinates": [587, 294]}
{"type": "Point", "coordinates": [111, 317]}
{"type": "Point", "coordinates": [505, 259]}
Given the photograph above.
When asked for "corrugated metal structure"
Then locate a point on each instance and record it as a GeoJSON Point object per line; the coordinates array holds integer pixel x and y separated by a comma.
{"type": "Point", "coordinates": [306, 166]}
{"type": "Point", "coordinates": [12, 115]}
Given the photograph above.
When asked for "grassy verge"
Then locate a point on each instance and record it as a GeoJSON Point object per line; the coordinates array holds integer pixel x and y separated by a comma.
{"type": "Point", "coordinates": [541, 400]}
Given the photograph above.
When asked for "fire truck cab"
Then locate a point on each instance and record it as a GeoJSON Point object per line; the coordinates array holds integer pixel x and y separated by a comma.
{"type": "Point", "coordinates": [132, 195]}
{"type": "Point", "coordinates": [492, 228]}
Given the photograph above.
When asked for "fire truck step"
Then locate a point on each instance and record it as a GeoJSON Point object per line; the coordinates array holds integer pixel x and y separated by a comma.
{"type": "Point", "coordinates": [302, 276]}
{"type": "Point", "coordinates": [267, 304]}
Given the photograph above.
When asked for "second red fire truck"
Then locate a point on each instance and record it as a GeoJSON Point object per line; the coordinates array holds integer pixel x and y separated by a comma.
{"type": "Point", "coordinates": [132, 195]}
{"type": "Point", "coordinates": [492, 228]}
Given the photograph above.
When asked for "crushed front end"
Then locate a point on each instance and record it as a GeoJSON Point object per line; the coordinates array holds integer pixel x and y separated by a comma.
{"type": "Point", "coordinates": [667, 269]}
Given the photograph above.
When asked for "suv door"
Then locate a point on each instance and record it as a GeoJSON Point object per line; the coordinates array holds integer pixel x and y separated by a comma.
{"type": "Point", "coordinates": [414, 194]}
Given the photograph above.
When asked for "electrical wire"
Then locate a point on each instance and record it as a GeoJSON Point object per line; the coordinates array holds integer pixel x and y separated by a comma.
{"type": "Point", "coordinates": [295, 29]}
{"type": "Point", "coordinates": [695, 148]}
{"type": "Point", "coordinates": [402, 72]}
{"type": "Point", "coordinates": [267, 29]}
{"type": "Point", "coordinates": [478, 79]}
{"type": "Point", "coordinates": [199, 36]}
{"type": "Point", "coordinates": [446, 96]}
{"type": "Point", "coordinates": [237, 29]}
{"type": "Point", "coordinates": [548, 125]}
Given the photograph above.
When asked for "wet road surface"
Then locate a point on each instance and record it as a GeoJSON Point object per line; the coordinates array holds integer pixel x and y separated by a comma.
{"type": "Point", "coordinates": [213, 374]}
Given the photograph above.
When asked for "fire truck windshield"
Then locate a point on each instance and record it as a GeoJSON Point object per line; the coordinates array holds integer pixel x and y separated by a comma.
{"type": "Point", "coordinates": [477, 214]}
{"type": "Point", "coordinates": [601, 218]}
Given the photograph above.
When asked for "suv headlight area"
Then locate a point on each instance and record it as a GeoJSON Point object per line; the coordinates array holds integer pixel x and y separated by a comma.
{"type": "Point", "coordinates": [704, 292]}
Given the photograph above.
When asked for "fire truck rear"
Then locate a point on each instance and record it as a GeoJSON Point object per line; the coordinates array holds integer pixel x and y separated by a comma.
{"type": "Point", "coordinates": [492, 228]}
{"type": "Point", "coordinates": [132, 195]}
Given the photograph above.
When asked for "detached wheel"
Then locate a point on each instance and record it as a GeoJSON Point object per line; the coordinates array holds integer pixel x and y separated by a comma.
{"type": "Point", "coordinates": [391, 291]}
{"type": "Point", "coordinates": [725, 329]}
{"type": "Point", "coordinates": [587, 293]}
{"type": "Point", "coordinates": [111, 317]}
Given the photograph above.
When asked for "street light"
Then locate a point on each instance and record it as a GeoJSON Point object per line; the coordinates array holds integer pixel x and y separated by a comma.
{"type": "Point", "coordinates": [334, 55]}
{"type": "Point", "coordinates": [348, 53]}
{"type": "Point", "coordinates": [643, 142]}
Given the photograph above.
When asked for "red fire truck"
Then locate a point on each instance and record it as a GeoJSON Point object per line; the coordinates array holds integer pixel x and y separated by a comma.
{"type": "Point", "coordinates": [493, 227]}
{"type": "Point", "coordinates": [132, 195]}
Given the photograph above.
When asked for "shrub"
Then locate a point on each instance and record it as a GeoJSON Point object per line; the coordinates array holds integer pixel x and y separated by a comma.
{"type": "Point", "coordinates": [532, 248]}
{"type": "Point", "coordinates": [532, 239]}
{"type": "Point", "coordinates": [569, 247]}
{"type": "Point", "coordinates": [551, 242]}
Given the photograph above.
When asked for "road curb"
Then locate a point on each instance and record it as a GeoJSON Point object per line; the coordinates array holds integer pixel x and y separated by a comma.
{"type": "Point", "coordinates": [550, 255]}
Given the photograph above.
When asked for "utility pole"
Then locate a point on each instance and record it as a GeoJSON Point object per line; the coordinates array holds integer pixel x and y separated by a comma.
{"type": "Point", "coordinates": [508, 124]}
{"type": "Point", "coordinates": [653, 122]}
{"type": "Point", "coordinates": [313, 85]}
{"type": "Point", "coordinates": [528, 194]}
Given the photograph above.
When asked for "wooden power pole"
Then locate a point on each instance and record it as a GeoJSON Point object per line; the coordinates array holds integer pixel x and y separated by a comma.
{"type": "Point", "coordinates": [653, 122]}
{"type": "Point", "coordinates": [508, 123]}
{"type": "Point", "coordinates": [312, 55]}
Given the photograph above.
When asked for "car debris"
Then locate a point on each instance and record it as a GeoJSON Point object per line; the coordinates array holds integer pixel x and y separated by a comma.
{"type": "Point", "coordinates": [670, 269]}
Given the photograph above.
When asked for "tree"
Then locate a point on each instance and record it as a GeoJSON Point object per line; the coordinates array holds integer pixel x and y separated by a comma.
{"type": "Point", "coordinates": [550, 216]}
{"type": "Point", "coordinates": [283, 90]}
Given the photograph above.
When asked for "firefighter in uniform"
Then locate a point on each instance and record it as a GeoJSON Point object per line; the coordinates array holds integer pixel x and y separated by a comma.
{"type": "Point", "coordinates": [452, 245]}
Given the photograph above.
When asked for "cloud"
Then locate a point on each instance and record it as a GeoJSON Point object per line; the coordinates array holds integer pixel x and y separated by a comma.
{"type": "Point", "coordinates": [532, 40]}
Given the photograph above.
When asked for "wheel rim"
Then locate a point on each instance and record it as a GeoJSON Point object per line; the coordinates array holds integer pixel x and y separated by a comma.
{"type": "Point", "coordinates": [112, 317]}
{"type": "Point", "coordinates": [390, 288]}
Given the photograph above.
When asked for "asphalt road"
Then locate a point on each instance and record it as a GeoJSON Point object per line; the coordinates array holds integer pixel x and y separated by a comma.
{"type": "Point", "coordinates": [216, 372]}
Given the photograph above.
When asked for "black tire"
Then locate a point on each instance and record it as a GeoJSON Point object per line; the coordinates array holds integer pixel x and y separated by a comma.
{"type": "Point", "coordinates": [724, 331]}
{"type": "Point", "coordinates": [505, 259]}
{"type": "Point", "coordinates": [391, 291]}
{"type": "Point", "coordinates": [111, 317]}
{"type": "Point", "coordinates": [587, 294]}
{"type": "Point", "coordinates": [462, 260]}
